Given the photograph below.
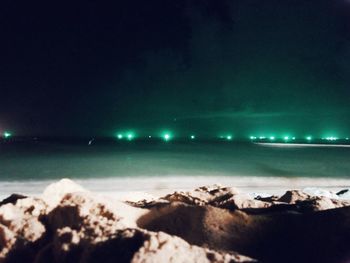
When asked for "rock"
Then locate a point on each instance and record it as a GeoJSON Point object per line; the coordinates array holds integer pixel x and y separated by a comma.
{"type": "Point", "coordinates": [55, 191]}
{"type": "Point", "coordinates": [12, 199]}
{"type": "Point", "coordinates": [272, 198]}
{"type": "Point", "coordinates": [20, 226]}
{"type": "Point", "coordinates": [319, 203]}
{"type": "Point", "coordinates": [203, 195]}
{"type": "Point", "coordinates": [200, 196]}
{"type": "Point", "coordinates": [130, 245]}
{"type": "Point", "coordinates": [7, 241]}
{"type": "Point", "coordinates": [260, 195]}
{"type": "Point", "coordinates": [291, 197]}
{"type": "Point", "coordinates": [313, 191]}
{"type": "Point", "coordinates": [94, 217]}
{"type": "Point", "coordinates": [243, 202]}
{"type": "Point", "coordinates": [209, 224]}
{"type": "Point", "coordinates": [160, 247]}
{"type": "Point", "coordinates": [344, 194]}
{"type": "Point", "coordinates": [285, 236]}
{"type": "Point", "coordinates": [308, 203]}
{"type": "Point", "coordinates": [95, 208]}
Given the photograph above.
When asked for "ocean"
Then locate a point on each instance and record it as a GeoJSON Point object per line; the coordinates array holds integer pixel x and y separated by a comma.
{"type": "Point", "coordinates": [109, 165]}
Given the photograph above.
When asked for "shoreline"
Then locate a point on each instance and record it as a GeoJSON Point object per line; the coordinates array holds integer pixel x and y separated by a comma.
{"type": "Point", "coordinates": [123, 187]}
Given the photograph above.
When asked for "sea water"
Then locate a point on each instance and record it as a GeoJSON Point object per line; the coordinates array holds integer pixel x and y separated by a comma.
{"type": "Point", "coordinates": [27, 166]}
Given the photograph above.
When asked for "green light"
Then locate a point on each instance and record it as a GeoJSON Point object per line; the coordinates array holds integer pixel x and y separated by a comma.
{"type": "Point", "coordinates": [309, 138]}
{"type": "Point", "coordinates": [286, 138]}
{"type": "Point", "coordinates": [7, 135]}
{"type": "Point", "coordinates": [167, 136]}
{"type": "Point", "coordinates": [229, 137]}
{"type": "Point", "coordinates": [262, 137]}
{"type": "Point", "coordinates": [252, 137]}
{"type": "Point", "coordinates": [120, 136]}
{"type": "Point", "coordinates": [130, 136]}
{"type": "Point", "coordinates": [293, 138]}
{"type": "Point", "coordinates": [193, 137]}
{"type": "Point", "coordinates": [272, 138]}
{"type": "Point", "coordinates": [347, 139]}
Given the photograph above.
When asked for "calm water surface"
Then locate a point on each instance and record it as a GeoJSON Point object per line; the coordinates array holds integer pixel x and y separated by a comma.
{"type": "Point", "coordinates": [50, 160]}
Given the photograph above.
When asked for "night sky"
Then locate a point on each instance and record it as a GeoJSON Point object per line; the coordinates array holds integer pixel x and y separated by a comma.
{"type": "Point", "coordinates": [205, 66]}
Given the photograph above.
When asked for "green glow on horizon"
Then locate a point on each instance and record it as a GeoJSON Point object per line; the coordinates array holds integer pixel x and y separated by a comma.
{"type": "Point", "coordinates": [168, 135]}
{"type": "Point", "coordinates": [130, 136]}
{"type": "Point", "coordinates": [7, 134]}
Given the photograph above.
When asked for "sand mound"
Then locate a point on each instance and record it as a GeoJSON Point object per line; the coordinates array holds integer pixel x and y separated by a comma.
{"type": "Point", "coordinates": [209, 224]}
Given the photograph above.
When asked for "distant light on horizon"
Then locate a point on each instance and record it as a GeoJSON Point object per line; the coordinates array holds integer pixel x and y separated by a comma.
{"type": "Point", "coordinates": [7, 134]}
{"type": "Point", "coordinates": [331, 138]}
{"type": "Point", "coordinates": [276, 136]}
{"type": "Point", "coordinates": [166, 136]}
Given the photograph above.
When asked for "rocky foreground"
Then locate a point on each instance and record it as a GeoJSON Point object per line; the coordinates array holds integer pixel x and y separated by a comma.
{"type": "Point", "coordinates": [210, 224]}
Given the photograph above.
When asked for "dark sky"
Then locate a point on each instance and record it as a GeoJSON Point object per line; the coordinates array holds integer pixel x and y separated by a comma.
{"type": "Point", "coordinates": [203, 66]}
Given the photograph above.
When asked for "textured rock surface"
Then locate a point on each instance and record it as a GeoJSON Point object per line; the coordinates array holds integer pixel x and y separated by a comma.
{"type": "Point", "coordinates": [20, 227]}
{"type": "Point", "coordinates": [209, 224]}
{"type": "Point", "coordinates": [70, 224]}
{"type": "Point", "coordinates": [53, 193]}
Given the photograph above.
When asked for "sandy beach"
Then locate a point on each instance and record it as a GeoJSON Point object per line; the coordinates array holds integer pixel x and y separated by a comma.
{"type": "Point", "coordinates": [68, 222]}
{"type": "Point", "coordinates": [127, 187]}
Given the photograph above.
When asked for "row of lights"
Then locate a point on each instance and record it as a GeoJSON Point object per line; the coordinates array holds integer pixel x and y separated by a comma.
{"type": "Point", "coordinates": [272, 138]}
{"type": "Point", "coordinates": [130, 136]}
{"type": "Point", "coordinates": [167, 136]}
